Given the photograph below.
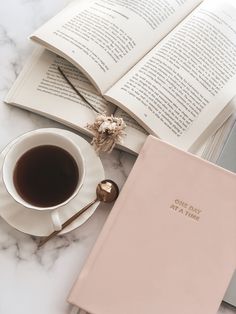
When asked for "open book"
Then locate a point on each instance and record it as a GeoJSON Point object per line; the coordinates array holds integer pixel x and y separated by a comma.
{"type": "Point", "coordinates": [41, 88]}
{"type": "Point", "coordinates": [169, 64]}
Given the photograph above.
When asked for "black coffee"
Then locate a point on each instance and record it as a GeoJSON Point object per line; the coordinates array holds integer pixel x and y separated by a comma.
{"type": "Point", "coordinates": [46, 175]}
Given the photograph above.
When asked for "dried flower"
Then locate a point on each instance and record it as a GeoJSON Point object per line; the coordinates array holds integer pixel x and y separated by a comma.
{"type": "Point", "coordinates": [107, 131]}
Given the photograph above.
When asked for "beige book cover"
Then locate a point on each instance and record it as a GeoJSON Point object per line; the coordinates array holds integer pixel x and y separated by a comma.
{"type": "Point", "coordinates": [169, 244]}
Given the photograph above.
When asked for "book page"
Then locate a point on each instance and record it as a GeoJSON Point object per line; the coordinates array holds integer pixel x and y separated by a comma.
{"type": "Point", "coordinates": [44, 86]}
{"type": "Point", "coordinates": [186, 81]}
{"type": "Point", "coordinates": [135, 134]}
{"type": "Point", "coordinates": [42, 89]}
{"type": "Point", "coordinates": [105, 38]}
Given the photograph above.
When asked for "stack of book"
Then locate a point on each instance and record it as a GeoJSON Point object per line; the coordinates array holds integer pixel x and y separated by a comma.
{"type": "Point", "coordinates": [167, 68]}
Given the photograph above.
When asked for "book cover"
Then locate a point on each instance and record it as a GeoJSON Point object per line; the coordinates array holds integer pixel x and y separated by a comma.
{"type": "Point", "coordinates": [168, 245]}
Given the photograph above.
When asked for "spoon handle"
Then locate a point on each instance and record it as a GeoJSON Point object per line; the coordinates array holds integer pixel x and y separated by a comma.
{"type": "Point", "coordinates": [67, 223]}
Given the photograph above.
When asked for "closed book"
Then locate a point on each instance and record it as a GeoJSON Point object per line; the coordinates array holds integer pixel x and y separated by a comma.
{"type": "Point", "coordinates": [169, 243]}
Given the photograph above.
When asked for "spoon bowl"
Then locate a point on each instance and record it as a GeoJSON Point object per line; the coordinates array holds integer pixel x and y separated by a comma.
{"type": "Point", "coordinates": [107, 191]}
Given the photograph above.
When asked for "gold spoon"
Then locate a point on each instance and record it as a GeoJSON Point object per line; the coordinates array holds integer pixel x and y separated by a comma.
{"type": "Point", "coordinates": [107, 191]}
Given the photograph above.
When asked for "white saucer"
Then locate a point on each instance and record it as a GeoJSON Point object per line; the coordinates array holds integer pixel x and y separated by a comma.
{"type": "Point", "coordinates": [39, 223]}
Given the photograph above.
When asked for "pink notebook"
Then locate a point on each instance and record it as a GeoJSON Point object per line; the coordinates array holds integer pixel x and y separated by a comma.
{"type": "Point", "coordinates": [169, 244]}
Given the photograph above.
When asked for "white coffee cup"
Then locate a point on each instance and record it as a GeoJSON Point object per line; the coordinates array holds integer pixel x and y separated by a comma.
{"type": "Point", "coordinates": [31, 140]}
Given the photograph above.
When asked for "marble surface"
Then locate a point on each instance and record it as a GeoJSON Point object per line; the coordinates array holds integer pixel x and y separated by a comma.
{"type": "Point", "coordinates": [33, 281]}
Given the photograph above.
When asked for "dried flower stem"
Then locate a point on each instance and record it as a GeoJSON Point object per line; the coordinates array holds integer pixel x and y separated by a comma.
{"type": "Point", "coordinates": [76, 90]}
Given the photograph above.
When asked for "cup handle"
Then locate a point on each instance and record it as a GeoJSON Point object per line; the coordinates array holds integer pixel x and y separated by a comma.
{"type": "Point", "coordinates": [56, 220]}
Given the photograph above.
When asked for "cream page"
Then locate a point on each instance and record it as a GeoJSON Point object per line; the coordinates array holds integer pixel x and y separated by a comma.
{"type": "Point", "coordinates": [185, 82]}
{"type": "Point", "coordinates": [41, 88]}
{"type": "Point", "coordinates": [105, 38]}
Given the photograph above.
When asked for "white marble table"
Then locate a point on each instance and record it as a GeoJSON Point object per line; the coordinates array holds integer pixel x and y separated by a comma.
{"type": "Point", "coordinates": [33, 281]}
